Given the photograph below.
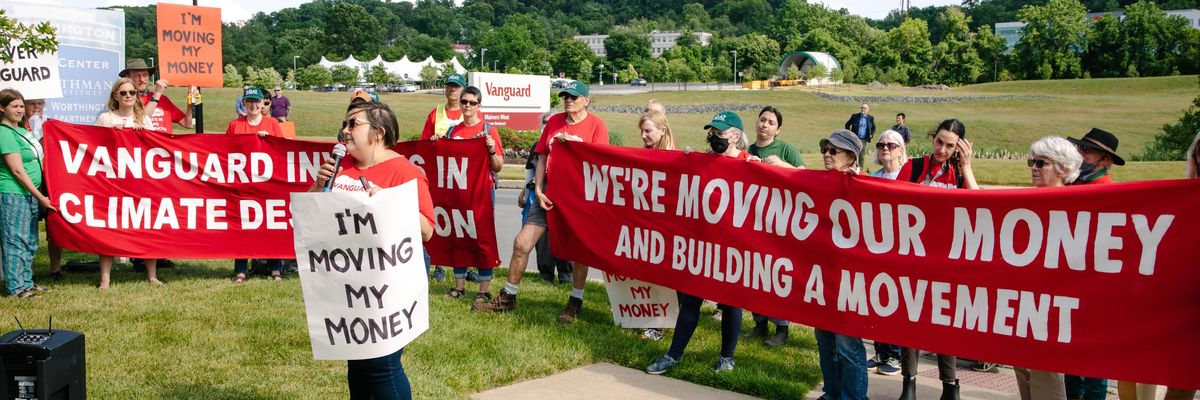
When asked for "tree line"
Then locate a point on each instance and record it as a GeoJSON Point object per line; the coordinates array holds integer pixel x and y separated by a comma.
{"type": "Point", "coordinates": [949, 44]}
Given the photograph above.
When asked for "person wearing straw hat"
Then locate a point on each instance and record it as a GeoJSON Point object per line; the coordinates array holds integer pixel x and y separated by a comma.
{"type": "Point", "coordinates": [1099, 150]}
{"type": "Point", "coordinates": [162, 111]}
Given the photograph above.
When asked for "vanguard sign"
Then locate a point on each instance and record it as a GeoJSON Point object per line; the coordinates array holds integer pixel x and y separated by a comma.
{"type": "Point", "coordinates": [512, 100]}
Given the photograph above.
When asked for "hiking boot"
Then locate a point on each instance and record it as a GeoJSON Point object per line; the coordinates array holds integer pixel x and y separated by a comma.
{"type": "Point", "coordinates": [654, 334]}
{"type": "Point", "coordinates": [873, 363]}
{"type": "Point", "coordinates": [571, 310]}
{"type": "Point", "coordinates": [760, 330]}
{"type": "Point", "coordinates": [502, 302]}
{"type": "Point", "coordinates": [890, 367]}
{"type": "Point", "coordinates": [984, 366]}
{"type": "Point", "coordinates": [663, 364]}
{"type": "Point", "coordinates": [724, 364]}
{"type": "Point", "coordinates": [439, 274]}
{"type": "Point", "coordinates": [780, 337]}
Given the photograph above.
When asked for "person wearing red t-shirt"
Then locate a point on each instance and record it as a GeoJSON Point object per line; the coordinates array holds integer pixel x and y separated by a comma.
{"type": "Point", "coordinates": [369, 132]}
{"type": "Point", "coordinates": [254, 122]}
{"type": "Point", "coordinates": [160, 108]}
{"type": "Point", "coordinates": [948, 167]}
{"type": "Point", "coordinates": [473, 127]}
{"type": "Point", "coordinates": [575, 124]}
{"type": "Point", "coordinates": [446, 115]}
{"type": "Point", "coordinates": [1099, 151]}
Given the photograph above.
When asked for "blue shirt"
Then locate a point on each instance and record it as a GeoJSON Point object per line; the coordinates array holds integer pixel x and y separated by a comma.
{"type": "Point", "coordinates": [862, 126]}
{"type": "Point", "coordinates": [241, 107]}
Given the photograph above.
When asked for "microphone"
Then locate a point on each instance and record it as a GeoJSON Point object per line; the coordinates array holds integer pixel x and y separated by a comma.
{"type": "Point", "coordinates": [339, 151]}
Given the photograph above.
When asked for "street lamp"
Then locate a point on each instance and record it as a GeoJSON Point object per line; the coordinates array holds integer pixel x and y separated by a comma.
{"type": "Point", "coordinates": [600, 75]}
{"type": "Point", "coordinates": [482, 54]}
{"type": "Point", "coordinates": [494, 65]}
{"type": "Point", "coordinates": [152, 65]}
{"type": "Point", "coordinates": [735, 78]}
{"type": "Point", "coordinates": [294, 71]}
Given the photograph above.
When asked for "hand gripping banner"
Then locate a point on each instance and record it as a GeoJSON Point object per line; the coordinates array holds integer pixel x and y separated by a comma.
{"type": "Point", "coordinates": [1093, 280]}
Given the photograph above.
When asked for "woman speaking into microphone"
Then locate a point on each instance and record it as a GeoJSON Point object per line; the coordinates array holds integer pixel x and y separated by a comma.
{"type": "Point", "coordinates": [369, 132]}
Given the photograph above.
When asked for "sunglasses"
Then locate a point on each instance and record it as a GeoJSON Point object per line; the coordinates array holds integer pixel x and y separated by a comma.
{"type": "Point", "coordinates": [565, 96]}
{"type": "Point", "coordinates": [830, 150]}
{"type": "Point", "coordinates": [1036, 162]}
{"type": "Point", "coordinates": [889, 146]}
{"type": "Point", "coordinates": [127, 93]}
{"type": "Point", "coordinates": [468, 103]}
{"type": "Point", "coordinates": [352, 123]}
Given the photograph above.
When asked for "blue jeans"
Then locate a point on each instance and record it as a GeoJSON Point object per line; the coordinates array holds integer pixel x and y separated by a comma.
{"type": "Point", "coordinates": [381, 378]}
{"type": "Point", "coordinates": [485, 274]}
{"type": "Point", "coordinates": [1079, 387]}
{"type": "Point", "coordinates": [18, 240]}
{"type": "Point", "coordinates": [689, 317]}
{"type": "Point", "coordinates": [843, 366]}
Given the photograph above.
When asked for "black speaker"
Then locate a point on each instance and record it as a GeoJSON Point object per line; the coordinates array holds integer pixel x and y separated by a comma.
{"type": "Point", "coordinates": [42, 365]}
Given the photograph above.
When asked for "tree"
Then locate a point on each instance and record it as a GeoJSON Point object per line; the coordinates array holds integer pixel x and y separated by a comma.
{"type": "Point", "coordinates": [695, 17]}
{"type": "Point", "coordinates": [990, 49]}
{"type": "Point", "coordinates": [817, 71]}
{"type": "Point", "coordinates": [1052, 40]}
{"type": "Point", "coordinates": [912, 52]}
{"type": "Point", "coordinates": [36, 38]}
{"type": "Point", "coordinates": [263, 77]}
{"type": "Point", "coordinates": [678, 70]}
{"type": "Point", "coordinates": [955, 60]}
{"type": "Point", "coordinates": [349, 29]}
{"type": "Point", "coordinates": [313, 76]}
{"type": "Point", "coordinates": [575, 59]}
{"type": "Point", "coordinates": [423, 46]}
{"type": "Point", "coordinates": [378, 74]}
{"type": "Point", "coordinates": [1151, 39]}
{"type": "Point", "coordinates": [1172, 143]}
{"type": "Point", "coordinates": [430, 76]}
{"type": "Point", "coordinates": [231, 77]}
{"type": "Point", "coordinates": [759, 55]}
{"type": "Point", "coordinates": [520, 38]}
{"type": "Point", "coordinates": [343, 74]}
{"type": "Point", "coordinates": [748, 16]}
{"type": "Point", "coordinates": [435, 18]}
{"type": "Point", "coordinates": [624, 47]}
{"type": "Point", "coordinates": [1105, 56]}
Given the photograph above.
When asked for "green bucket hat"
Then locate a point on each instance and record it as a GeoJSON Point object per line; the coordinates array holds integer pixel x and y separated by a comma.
{"type": "Point", "coordinates": [725, 120]}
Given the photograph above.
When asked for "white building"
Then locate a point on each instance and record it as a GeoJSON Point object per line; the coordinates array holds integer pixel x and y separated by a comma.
{"type": "Point", "coordinates": [660, 41]}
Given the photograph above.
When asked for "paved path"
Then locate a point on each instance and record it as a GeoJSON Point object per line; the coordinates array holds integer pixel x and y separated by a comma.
{"type": "Point", "coordinates": [606, 381]}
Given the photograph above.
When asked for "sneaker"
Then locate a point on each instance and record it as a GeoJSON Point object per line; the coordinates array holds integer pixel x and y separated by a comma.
{"type": "Point", "coordinates": [776, 340]}
{"type": "Point", "coordinates": [663, 364]}
{"type": "Point", "coordinates": [984, 366]}
{"type": "Point", "coordinates": [873, 363]}
{"type": "Point", "coordinates": [566, 278]}
{"type": "Point", "coordinates": [571, 310]}
{"type": "Point", "coordinates": [724, 364]}
{"type": "Point", "coordinates": [472, 276]}
{"type": "Point", "coordinates": [483, 297]}
{"type": "Point", "coordinates": [439, 274]}
{"type": "Point", "coordinates": [717, 315]}
{"type": "Point", "coordinates": [891, 367]}
{"type": "Point", "coordinates": [654, 334]}
{"type": "Point", "coordinates": [501, 303]}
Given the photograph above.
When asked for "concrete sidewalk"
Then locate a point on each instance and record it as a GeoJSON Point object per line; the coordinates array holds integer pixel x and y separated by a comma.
{"type": "Point", "coordinates": [605, 381]}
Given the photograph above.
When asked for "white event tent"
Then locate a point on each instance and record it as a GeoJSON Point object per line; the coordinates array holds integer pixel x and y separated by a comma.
{"type": "Point", "coordinates": [404, 67]}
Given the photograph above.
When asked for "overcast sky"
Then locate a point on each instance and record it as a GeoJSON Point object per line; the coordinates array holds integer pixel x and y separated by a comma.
{"type": "Point", "coordinates": [240, 10]}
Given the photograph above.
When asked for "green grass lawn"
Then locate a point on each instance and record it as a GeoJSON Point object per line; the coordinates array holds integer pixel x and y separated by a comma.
{"type": "Point", "coordinates": [1133, 108]}
{"type": "Point", "coordinates": [201, 336]}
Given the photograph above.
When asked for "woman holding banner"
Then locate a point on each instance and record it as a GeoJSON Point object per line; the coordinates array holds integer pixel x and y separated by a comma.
{"type": "Point", "coordinates": [725, 138]}
{"type": "Point", "coordinates": [843, 359]}
{"type": "Point", "coordinates": [474, 127]}
{"type": "Point", "coordinates": [125, 111]}
{"type": "Point", "coordinates": [19, 197]}
{"type": "Point", "coordinates": [254, 123]}
{"type": "Point", "coordinates": [369, 132]}
{"type": "Point", "coordinates": [656, 134]}
{"type": "Point", "coordinates": [949, 166]}
{"type": "Point", "coordinates": [890, 153]}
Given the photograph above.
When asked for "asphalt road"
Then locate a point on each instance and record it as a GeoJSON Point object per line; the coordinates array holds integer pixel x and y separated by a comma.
{"type": "Point", "coordinates": [508, 223]}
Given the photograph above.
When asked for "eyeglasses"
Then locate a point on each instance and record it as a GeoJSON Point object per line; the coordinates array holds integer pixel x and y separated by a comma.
{"type": "Point", "coordinates": [468, 103]}
{"type": "Point", "coordinates": [565, 96]}
{"type": "Point", "coordinates": [127, 93]}
{"type": "Point", "coordinates": [353, 122]}
{"type": "Point", "coordinates": [889, 146]}
{"type": "Point", "coordinates": [830, 150]}
{"type": "Point", "coordinates": [1038, 162]}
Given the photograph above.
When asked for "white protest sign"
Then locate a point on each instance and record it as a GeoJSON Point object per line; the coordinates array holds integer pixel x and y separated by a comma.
{"type": "Point", "coordinates": [33, 74]}
{"type": "Point", "coordinates": [637, 304]}
{"type": "Point", "coordinates": [361, 271]}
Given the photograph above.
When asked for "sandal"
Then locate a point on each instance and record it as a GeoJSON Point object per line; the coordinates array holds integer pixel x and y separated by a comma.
{"type": "Point", "coordinates": [27, 294]}
{"type": "Point", "coordinates": [276, 276]}
{"type": "Point", "coordinates": [37, 288]}
{"type": "Point", "coordinates": [239, 278]}
{"type": "Point", "coordinates": [455, 293]}
{"type": "Point", "coordinates": [483, 297]}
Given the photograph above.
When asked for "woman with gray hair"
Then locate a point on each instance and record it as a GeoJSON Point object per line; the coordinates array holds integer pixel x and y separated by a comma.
{"type": "Point", "coordinates": [1053, 162]}
{"type": "Point", "coordinates": [891, 153]}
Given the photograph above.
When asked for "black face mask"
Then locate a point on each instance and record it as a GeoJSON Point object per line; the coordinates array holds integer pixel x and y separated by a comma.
{"type": "Point", "coordinates": [718, 144]}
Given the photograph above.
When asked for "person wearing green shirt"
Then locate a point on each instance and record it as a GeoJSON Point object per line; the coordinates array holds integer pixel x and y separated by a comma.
{"type": "Point", "coordinates": [19, 196]}
{"type": "Point", "coordinates": [771, 151]}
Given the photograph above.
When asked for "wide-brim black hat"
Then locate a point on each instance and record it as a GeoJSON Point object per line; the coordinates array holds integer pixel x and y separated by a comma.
{"type": "Point", "coordinates": [135, 64]}
{"type": "Point", "coordinates": [1100, 140]}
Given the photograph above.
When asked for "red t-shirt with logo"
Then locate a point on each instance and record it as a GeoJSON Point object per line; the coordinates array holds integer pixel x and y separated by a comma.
{"type": "Point", "coordinates": [932, 174]}
{"type": "Point", "coordinates": [165, 115]}
{"type": "Point", "coordinates": [241, 126]}
{"type": "Point", "coordinates": [464, 131]}
{"type": "Point", "coordinates": [431, 121]}
{"type": "Point", "coordinates": [591, 129]}
{"type": "Point", "coordinates": [390, 173]}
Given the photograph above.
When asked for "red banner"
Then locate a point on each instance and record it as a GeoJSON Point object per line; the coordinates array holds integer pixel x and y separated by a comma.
{"type": "Point", "coordinates": [1094, 280]}
{"type": "Point", "coordinates": [145, 194]}
{"type": "Point", "coordinates": [461, 186]}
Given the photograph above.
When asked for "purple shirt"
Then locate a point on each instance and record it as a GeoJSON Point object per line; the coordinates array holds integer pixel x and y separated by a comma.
{"type": "Point", "coordinates": [279, 106]}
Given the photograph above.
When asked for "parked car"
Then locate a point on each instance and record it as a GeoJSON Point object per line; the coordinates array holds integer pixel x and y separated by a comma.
{"type": "Point", "coordinates": [637, 82]}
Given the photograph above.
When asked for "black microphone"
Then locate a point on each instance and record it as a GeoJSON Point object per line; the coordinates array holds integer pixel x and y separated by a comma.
{"type": "Point", "coordinates": [339, 151]}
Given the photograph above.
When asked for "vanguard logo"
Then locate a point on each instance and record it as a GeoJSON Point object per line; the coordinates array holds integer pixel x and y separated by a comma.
{"type": "Point", "coordinates": [508, 91]}
{"type": "Point", "coordinates": [719, 117]}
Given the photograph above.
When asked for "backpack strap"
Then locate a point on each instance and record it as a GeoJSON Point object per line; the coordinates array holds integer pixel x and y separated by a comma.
{"type": "Point", "coordinates": [918, 168]}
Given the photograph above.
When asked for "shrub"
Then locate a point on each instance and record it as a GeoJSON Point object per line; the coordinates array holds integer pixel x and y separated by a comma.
{"type": "Point", "coordinates": [518, 140]}
{"type": "Point", "coordinates": [1172, 143]}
